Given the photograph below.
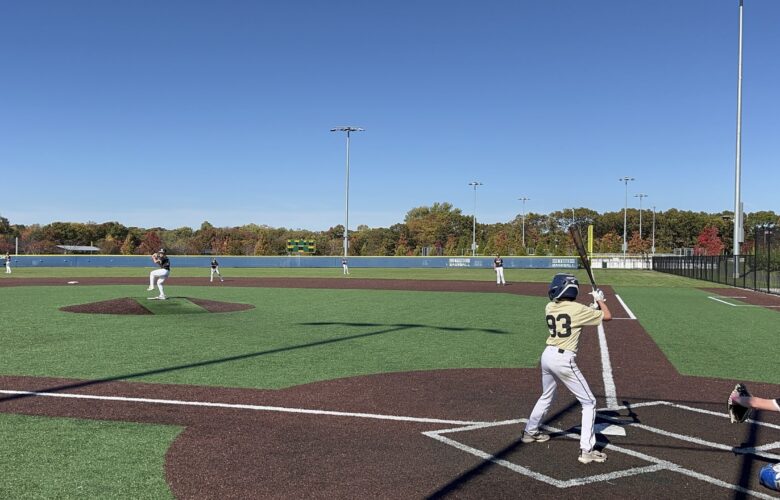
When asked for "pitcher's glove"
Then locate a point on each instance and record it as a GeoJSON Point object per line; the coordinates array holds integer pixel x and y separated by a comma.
{"type": "Point", "coordinates": [738, 413]}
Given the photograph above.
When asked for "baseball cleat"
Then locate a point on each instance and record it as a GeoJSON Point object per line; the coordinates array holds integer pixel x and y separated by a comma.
{"type": "Point", "coordinates": [538, 437]}
{"type": "Point", "coordinates": [587, 457]}
{"type": "Point", "coordinates": [150, 289]}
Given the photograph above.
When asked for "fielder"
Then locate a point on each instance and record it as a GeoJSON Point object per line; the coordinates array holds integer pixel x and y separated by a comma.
{"type": "Point", "coordinates": [565, 319]}
{"type": "Point", "coordinates": [159, 275]}
{"type": "Point", "coordinates": [344, 265]}
{"type": "Point", "coordinates": [215, 269]}
{"type": "Point", "coordinates": [498, 265]}
{"type": "Point", "coordinates": [7, 263]}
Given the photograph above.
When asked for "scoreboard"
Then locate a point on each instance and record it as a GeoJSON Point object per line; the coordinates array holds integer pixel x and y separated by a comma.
{"type": "Point", "coordinates": [301, 246]}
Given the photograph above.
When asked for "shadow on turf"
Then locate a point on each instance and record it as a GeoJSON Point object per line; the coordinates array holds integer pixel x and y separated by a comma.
{"type": "Point", "coordinates": [390, 329]}
{"type": "Point", "coordinates": [410, 325]}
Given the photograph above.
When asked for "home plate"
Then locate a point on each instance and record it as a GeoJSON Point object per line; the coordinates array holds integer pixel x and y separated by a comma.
{"type": "Point", "coordinates": [609, 429]}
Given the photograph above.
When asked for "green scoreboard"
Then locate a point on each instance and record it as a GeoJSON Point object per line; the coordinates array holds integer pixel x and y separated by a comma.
{"type": "Point", "coordinates": [301, 246]}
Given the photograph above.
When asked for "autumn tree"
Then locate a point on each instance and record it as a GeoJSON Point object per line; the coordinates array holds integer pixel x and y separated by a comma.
{"type": "Point", "coordinates": [150, 243]}
{"type": "Point", "coordinates": [708, 242]}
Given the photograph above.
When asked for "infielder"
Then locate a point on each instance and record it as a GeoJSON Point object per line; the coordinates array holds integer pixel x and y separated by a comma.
{"type": "Point", "coordinates": [498, 265]}
{"type": "Point", "coordinates": [215, 269]}
{"type": "Point", "coordinates": [7, 263]}
{"type": "Point", "coordinates": [565, 319]}
{"type": "Point", "coordinates": [344, 265]}
{"type": "Point", "coordinates": [159, 275]}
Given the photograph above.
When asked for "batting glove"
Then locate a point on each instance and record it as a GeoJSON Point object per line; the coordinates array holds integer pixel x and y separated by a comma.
{"type": "Point", "coordinates": [598, 295]}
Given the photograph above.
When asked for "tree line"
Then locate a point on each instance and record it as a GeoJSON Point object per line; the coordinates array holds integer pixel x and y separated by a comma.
{"type": "Point", "coordinates": [439, 229]}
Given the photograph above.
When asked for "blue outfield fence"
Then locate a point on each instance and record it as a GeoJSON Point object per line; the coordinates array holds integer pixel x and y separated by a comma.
{"type": "Point", "coordinates": [294, 261]}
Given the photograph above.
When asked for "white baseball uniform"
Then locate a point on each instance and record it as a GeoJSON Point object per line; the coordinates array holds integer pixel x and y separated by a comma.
{"type": "Point", "coordinates": [565, 320]}
{"type": "Point", "coordinates": [160, 275]}
{"type": "Point", "coordinates": [7, 264]}
{"type": "Point", "coordinates": [498, 265]}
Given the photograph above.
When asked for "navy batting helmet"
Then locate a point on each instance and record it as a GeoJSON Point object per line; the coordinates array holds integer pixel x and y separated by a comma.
{"type": "Point", "coordinates": [563, 286]}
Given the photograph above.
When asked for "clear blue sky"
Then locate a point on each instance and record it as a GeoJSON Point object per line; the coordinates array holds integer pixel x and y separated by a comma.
{"type": "Point", "coordinates": [169, 113]}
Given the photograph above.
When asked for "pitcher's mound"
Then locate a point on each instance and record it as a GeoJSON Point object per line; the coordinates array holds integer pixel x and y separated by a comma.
{"type": "Point", "coordinates": [181, 305]}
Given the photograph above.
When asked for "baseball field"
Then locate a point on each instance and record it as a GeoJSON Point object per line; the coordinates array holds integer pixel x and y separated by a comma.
{"type": "Point", "coordinates": [303, 383]}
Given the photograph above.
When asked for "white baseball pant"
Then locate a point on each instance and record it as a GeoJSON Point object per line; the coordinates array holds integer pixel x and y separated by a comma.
{"type": "Point", "coordinates": [562, 367]}
{"type": "Point", "coordinates": [500, 276]}
{"type": "Point", "coordinates": [159, 275]}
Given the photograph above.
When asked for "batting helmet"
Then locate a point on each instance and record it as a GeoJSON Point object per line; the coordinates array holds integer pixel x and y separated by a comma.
{"type": "Point", "coordinates": [563, 286]}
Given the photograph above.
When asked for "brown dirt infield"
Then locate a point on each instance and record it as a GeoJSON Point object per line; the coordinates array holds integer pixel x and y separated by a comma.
{"type": "Point", "coordinates": [376, 447]}
{"type": "Point", "coordinates": [127, 305]}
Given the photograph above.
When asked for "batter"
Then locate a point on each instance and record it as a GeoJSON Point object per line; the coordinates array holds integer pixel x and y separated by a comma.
{"type": "Point", "coordinates": [565, 319]}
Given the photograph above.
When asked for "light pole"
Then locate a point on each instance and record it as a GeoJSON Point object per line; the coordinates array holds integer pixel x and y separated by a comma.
{"type": "Point", "coordinates": [738, 165]}
{"type": "Point", "coordinates": [474, 220]}
{"type": "Point", "coordinates": [348, 130]}
{"type": "Point", "coordinates": [625, 179]}
{"type": "Point", "coordinates": [524, 199]}
{"type": "Point", "coordinates": [652, 249]}
{"type": "Point", "coordinates": [640, 196]}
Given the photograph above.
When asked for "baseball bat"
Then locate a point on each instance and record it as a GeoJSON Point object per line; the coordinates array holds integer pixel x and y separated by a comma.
{"type": "Point", "coordinates": [577, 237]}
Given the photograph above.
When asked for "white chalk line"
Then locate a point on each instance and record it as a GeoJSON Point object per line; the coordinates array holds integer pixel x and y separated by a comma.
{"type": "Point", "coordinates": [610, 390]}
{"type": "Point", "coordinates": [471, 425]}
{"type": "Point", "coordinates": [629, 311]}
{"type": "Point", "coordinates": [659, 464]}
{"type": "Point", "coordinates": [242, 407]}
{"type": "Point", "coordinates": [716, 299]}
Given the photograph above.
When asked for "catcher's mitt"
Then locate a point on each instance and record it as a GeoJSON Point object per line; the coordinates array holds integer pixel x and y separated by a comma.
{"type": "Point", "coordinates": [738, 413]}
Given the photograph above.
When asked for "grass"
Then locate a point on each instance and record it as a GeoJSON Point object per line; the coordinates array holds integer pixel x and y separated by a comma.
{"type": "Point", "coordinates": [705, 338]}
{"type": "Point", "coordinates": [296, 336]}
{"type": "Point", "coordinates": [614, 277]}
{"type": "Point", "coordinates": [68, 458]}
{"type": "Point", "coordinates": [292, 336]}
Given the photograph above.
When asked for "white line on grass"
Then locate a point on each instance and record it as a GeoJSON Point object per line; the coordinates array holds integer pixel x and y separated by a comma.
{"type": "Point", "coordinates": [736, 305]}
{"type": "Point", "coordinates": [630, 313]}
{"type": "Point", "coordinates": [722, 301]}
{"type": "Point", "coordinates": [242, 407]}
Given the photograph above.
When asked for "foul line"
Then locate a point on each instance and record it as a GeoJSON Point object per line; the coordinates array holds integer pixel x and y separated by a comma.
{"type": "Point", "coordinates": [242, 407]}
{"type": "Point", "coordinates": [630, 313]}
{"type": "Point", "coordinates": [610, 390]}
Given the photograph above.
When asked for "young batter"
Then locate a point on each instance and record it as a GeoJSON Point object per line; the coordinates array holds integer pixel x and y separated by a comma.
{"type": "Point", "coordinates": [565, 319]}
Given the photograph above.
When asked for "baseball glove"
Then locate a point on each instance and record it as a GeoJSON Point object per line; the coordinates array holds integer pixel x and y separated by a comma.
{"type": "Point", "coordinates": [738, 413]}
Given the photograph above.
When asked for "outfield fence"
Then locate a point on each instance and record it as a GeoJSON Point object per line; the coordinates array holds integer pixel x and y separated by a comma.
{"type": "Point", "coordinates": [759, 271]}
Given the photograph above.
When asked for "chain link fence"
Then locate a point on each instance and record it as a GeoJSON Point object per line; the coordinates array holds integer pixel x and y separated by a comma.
{"type": "Point", "coordinates": [757, 271]}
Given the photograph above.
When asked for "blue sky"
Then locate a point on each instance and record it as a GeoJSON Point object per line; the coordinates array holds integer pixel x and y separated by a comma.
{"type": "Point", "coordinates": [170, 113]}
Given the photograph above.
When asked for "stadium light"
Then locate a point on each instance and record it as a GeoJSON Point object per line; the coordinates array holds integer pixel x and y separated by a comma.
{"type": "Point", "coordinates": [524, 199]}
{"type": "Point", "coordinates": [738, 165]}
{"type": "Point", "coordinates": [640, 196]}
{"type": "Point", "coordinates": [474, 220]}
{"type": "Point", "coordinates": [625, 218]}
{"type": "Point", "coordinates": [348, 130]}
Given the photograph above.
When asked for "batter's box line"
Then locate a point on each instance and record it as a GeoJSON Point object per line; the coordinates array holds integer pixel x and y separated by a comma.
{"type": "Point", "coordinates": [752, 450]}
{"type": "Point", "coordinates": [578, 481]}
{"type": "Point", "coordinates": [658, 464]}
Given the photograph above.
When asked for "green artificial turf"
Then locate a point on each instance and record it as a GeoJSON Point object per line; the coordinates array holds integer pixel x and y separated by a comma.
{"type": "Point", "coordinates": [703, 337]}
{"type": "Point", "coordinates": [603, 277]}
{"type": "Point", "coordinates": [72, 459]}
{"type": "Point", "coordinates": [293, 336]}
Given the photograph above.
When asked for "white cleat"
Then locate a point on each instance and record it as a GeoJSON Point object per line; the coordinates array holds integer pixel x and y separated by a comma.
{"type": "Point", "coordinates": [587, 457]}
{"type": "Point", "coordinates": [150, 289]}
